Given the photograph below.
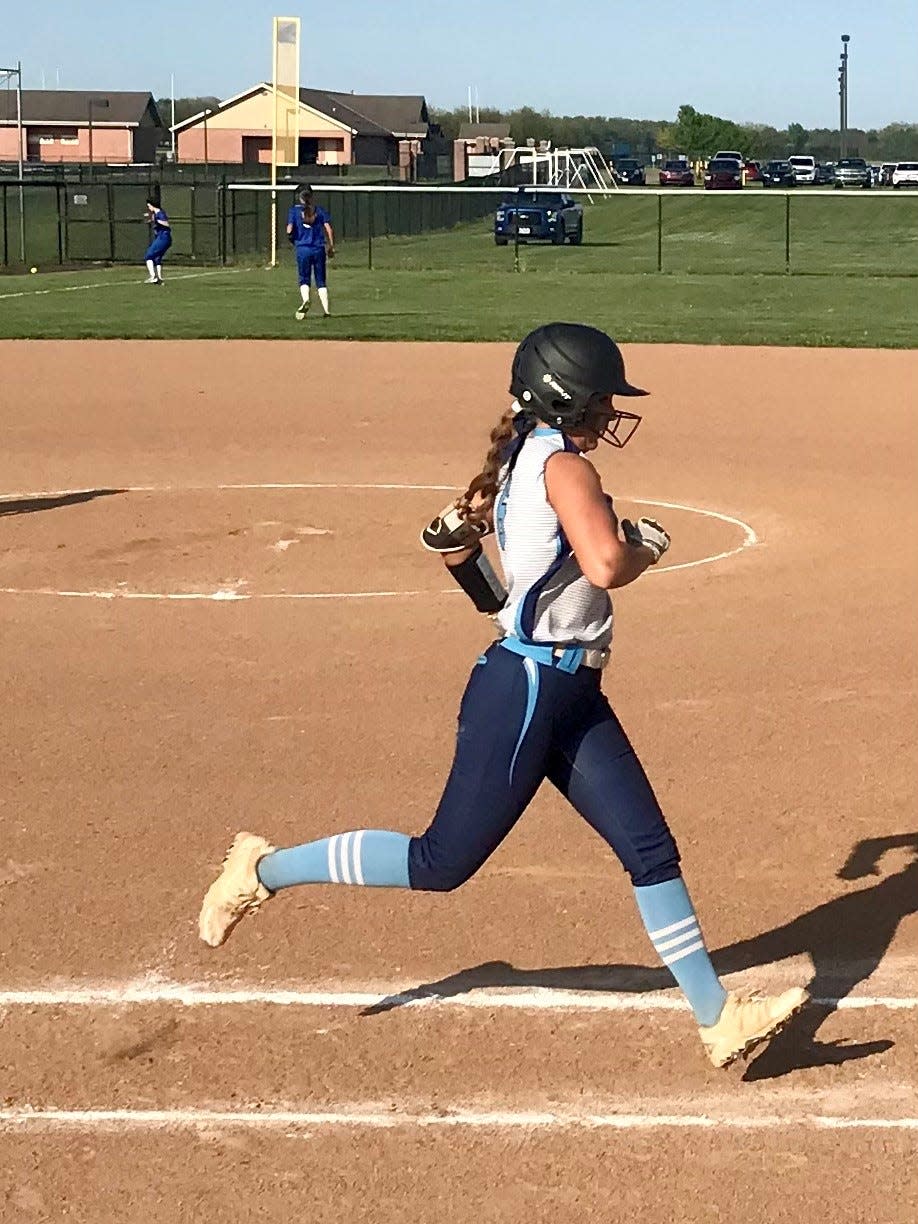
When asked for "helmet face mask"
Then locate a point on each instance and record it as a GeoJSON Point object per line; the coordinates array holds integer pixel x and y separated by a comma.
{"type": "Point", "coordinates": [559, 372]}
{"type": "Point", "coordinates": [620, 430]}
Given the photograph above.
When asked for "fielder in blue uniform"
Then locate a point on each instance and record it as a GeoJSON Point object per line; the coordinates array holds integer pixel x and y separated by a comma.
{"type": "Point", "coordinates": [160, 242]}
{"type": "Point", "coordinates": [310, 232]}
{"type": "Point", "coordinates": [533, 709]}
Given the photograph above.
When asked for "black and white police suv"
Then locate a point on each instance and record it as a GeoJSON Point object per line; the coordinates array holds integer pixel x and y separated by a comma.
{"type": "Point", "coordinates": [534, 215]}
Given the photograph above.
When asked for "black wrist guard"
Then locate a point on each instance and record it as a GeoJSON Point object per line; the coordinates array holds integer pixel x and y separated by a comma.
{"type": "Point", "coordinates": [477, 578]}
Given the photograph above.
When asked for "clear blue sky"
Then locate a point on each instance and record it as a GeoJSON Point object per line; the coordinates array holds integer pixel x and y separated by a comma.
{"type": "Point", "coordinates": [770, 63]}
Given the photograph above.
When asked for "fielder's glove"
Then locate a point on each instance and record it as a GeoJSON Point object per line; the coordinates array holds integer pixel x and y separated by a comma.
{"type": "Point", "coordinates": [329, 252]}
{"type": "Point", "coordinates": [449, 532]}
{"type": "Point", "coordinates": [648, 532]}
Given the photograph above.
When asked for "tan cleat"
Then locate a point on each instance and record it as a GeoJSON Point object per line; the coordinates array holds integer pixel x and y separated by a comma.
{"type": "Point", "coordinates": [747, 1020]}
{"type": "Point", "coordinates": [237, 890]}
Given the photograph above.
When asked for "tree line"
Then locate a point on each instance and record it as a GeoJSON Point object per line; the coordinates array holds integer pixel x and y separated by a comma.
{"type": "Point", "coordinates": [184, 108]}
{"type": "Point", "coordinates": [693, 133]}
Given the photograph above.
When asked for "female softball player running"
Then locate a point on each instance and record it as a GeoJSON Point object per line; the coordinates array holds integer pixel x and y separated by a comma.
{"type": "Point", "coordinates": [160, 242]}
{"type": "Point", "coordinates": [309, 231]}
{"type": "Point", "coordinates": [533, 708]}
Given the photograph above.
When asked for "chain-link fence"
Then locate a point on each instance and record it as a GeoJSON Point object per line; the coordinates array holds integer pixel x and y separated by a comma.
{"type": "Point", "coordinates": [414, 228]}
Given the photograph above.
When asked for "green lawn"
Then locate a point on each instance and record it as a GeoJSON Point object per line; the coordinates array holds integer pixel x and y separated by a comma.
{"type": "Point", "coordinates": [846, 233]}
{"type": "Point", "coordinates": [467, 304]}
{"type": "Point", "coordinates": [854, 260]}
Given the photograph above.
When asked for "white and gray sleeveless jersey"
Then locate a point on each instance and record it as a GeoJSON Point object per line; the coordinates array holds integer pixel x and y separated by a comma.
{"type": "Point", "coordinates": [549, 599]}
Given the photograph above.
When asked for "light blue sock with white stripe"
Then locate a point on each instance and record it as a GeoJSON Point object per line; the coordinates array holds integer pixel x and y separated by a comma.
{"type": "Point", "coordinates": [669, 917]}
{"type": "Point", "coordinates": [372, 857]}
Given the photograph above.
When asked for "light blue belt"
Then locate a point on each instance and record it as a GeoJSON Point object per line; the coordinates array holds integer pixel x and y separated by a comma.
{"type": "Point", "coordinates": [564, 658]}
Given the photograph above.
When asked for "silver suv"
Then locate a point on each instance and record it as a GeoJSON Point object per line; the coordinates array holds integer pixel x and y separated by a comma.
{"type": "Point", "coordinates": [853, 172]}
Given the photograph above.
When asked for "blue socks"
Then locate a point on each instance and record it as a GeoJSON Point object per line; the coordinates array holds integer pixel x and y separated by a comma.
{"type": "Point", "coordinates": [373, 857]}
{"type": "Point", "coordinates": [673, 928]}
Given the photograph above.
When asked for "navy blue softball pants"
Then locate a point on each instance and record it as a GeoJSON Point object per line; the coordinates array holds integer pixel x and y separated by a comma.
{"type": "Point", "coordinates": [521, 722]}
{"type": "Point", "coordinates": [311, 261]}
{"type": "Point", "coordinates": [159, 246]}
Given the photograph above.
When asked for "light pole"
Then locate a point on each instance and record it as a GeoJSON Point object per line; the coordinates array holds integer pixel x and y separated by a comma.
{"type": "Point", "coordinates": [207, 112]}
{"type": "Point", "coordinates": [843, 98]}
{"type": "Point", "coordinates": [100, 104]}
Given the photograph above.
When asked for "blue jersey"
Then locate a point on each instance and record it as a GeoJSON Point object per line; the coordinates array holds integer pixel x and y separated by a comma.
{"type": "Point", "coordinates": [160, 222]}
{"type": "Point", "coordinates": [306, 234]}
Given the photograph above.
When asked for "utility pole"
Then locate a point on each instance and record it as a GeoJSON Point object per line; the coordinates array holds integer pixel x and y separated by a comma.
{"type": "Point", "coordinates": [843, 98]}
{"type": "Point", "coordinates": [6, 75]}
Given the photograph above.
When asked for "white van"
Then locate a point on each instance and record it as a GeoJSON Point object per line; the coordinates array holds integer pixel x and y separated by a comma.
{"type": "Point", "coordinates": [804, 168]}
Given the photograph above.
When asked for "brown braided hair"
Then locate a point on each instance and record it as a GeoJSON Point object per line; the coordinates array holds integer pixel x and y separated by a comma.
{"type": "Point", "coordinates": [477, 501]}
{"type": "Point", "coordinates": [306, 201]}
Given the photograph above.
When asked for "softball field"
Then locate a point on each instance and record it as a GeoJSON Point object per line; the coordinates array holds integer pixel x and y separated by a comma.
{"type": "Point", "coordinates": [214, 615]}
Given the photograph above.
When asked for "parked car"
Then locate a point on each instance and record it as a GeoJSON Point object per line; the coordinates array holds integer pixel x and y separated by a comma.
{"type": "Point", "coordinates": [804, 167]}
{"type": "Point", "coordinates": [905, 174]}
{"type": "Point", "coordinates": [852, 172]}
{"type": "Point", "coordinates": [532, 216]}
{"type": "Point", "coordinates": [723, 173]}
{"type": "Point", "coordinates": [729, 153]}
{"type": "Point", "coordinates": [753, 171]}
{"type": "Point", "coordinates": [778, 174]}
{"type": "Point", "coordinates": [676, 174]}
{"type": "Point", "coordinates": [630, 172]}
{"type": "Point", "coordinates": [886, 173]}
{"type": "Point", "coordinates": [824, 174]}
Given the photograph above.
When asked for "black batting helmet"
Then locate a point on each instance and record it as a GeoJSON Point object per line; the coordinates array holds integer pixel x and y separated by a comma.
{"type": "Point", "coordinates": [560, 367]}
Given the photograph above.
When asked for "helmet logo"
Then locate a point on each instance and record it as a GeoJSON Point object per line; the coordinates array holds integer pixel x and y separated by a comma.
{"type": "Point", "coordinates": [555, 386]}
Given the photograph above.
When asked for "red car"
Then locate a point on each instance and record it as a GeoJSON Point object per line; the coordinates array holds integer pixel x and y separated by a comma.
{"type": "Point", "coordinates": [724, 174]}
{"type": "Point", "coordinates": [676, 174]}
{"type": "Point", "coordinates": [753, 171]}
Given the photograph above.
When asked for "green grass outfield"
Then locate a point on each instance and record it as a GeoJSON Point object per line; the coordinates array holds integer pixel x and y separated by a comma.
{"type": "Point", "coordinates": [724, 281]}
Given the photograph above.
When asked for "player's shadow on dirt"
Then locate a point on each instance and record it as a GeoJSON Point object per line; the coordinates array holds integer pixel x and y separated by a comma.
{"type": "Point", "coordinates": [53, 501]}
{"type": "Point", "coordinates": [846, 938]}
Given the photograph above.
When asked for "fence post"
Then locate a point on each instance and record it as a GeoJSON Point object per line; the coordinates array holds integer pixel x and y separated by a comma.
{"type": "Point", "coordinates": [221, 213]}
{"type": "Point", "coordinates": [193, 198]}
{"type": "Point", "coordinates": [60, 224]}
{"type": "Point", "coordinates": [233, 219]}
{"type": "Point", "coordinates": [787, 231]}
{"type": "Point", "coordinates": [370, 197]}
{"type": "Point", "coordinates": [109, 195]}
{"type": "Point", "coordinates": [6, 253]}
{"type": "Point", "coordinates": [659, 231]}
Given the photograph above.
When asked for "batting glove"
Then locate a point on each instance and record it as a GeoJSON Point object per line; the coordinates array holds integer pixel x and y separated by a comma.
{"type": "Point", "coordinates": [648, 532]}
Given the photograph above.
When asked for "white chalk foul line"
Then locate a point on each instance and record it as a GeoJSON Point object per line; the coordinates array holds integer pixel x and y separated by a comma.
{"type": "Point", "coordinates": [221, 595]}
{"type": "Point", "coordinates": [27, 1117]}
{"type": "Point", "coordinates": [103, 284]}
{"type": "Point", "coordinates": [528, 999]}
{"type": "Point", "coordinates": [237, 595]}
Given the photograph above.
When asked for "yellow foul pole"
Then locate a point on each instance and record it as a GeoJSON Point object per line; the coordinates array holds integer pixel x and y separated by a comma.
{"type": "Point", "coordinates": [285, 77]}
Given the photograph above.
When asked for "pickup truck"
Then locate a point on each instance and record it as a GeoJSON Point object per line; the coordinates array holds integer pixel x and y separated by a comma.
{"type": "Point", "coordinates": [852, 172]}
{"type": "Point", "coordinates": [804, 168]}
{"type": "Point", "coordinates": [539, 215]}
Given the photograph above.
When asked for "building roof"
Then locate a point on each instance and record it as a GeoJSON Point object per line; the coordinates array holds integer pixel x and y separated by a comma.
{"type": "Point", "coordinates": [400, 114]}
{"type": "Point", "coordinates": [71, 106]}
{"type": "Point", "coordinates": [364, 114]}
{"type": "Point", "coordinates": [342, 108]}
{"type": "Point", "coordinates": [471, 131]}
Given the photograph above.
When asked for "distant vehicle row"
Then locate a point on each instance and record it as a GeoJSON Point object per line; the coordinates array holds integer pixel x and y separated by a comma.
{"type": "Point", "coordinates": [543, 215]}
{"type": "Point", "coordinates": [729, 170]}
